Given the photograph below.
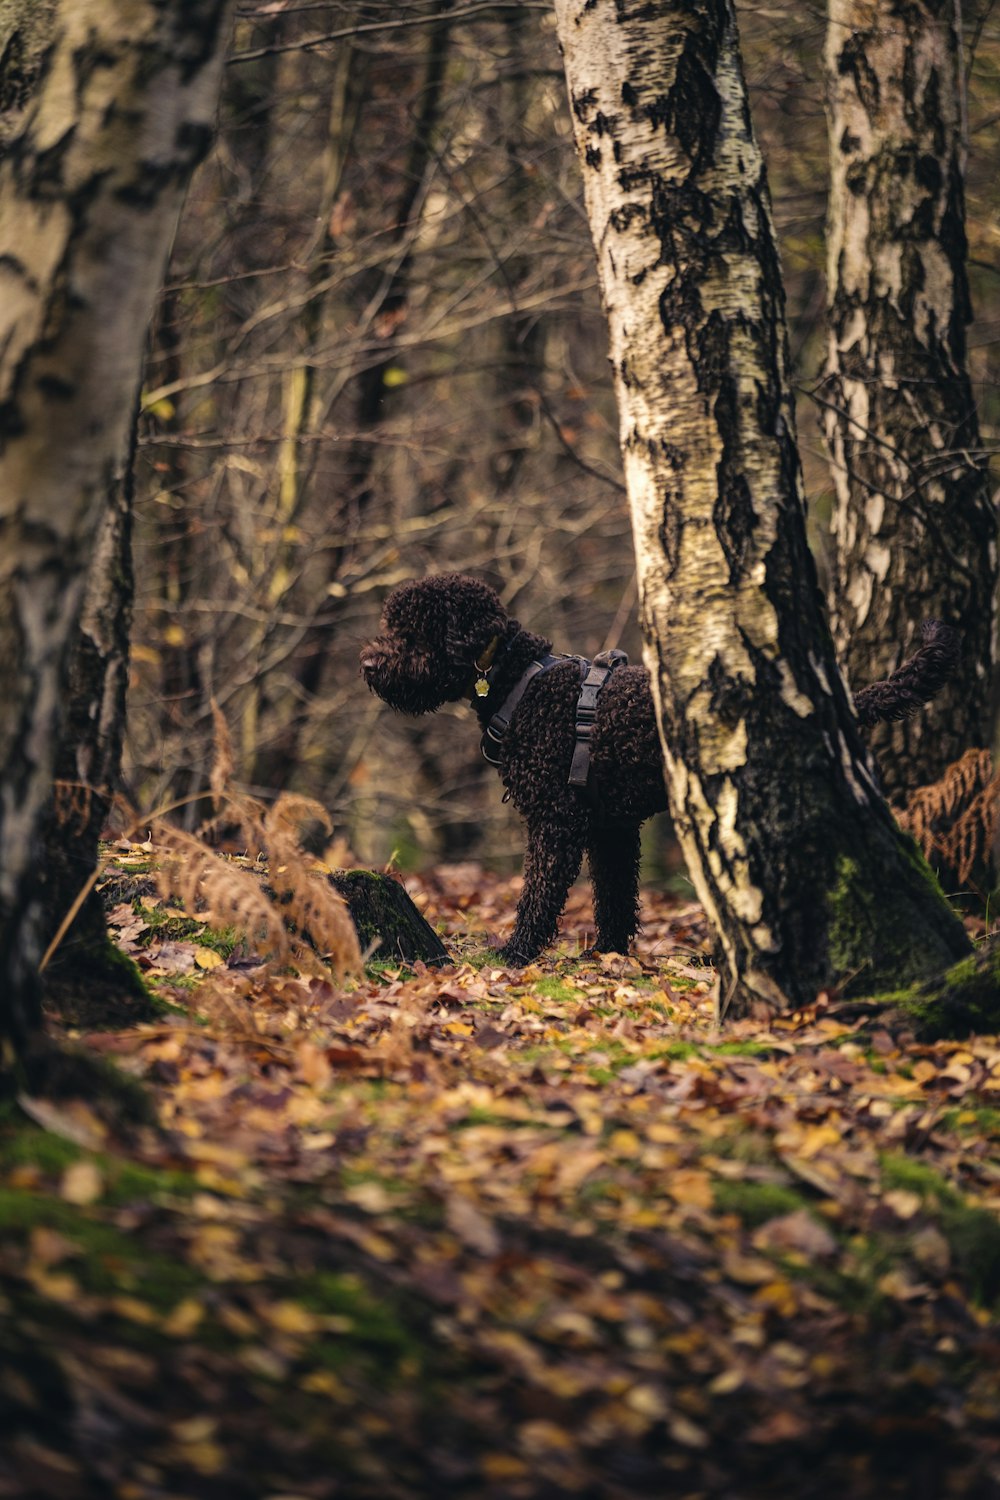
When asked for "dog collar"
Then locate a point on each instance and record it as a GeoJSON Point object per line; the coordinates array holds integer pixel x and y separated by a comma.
{"type": "Point", "coordinates": [481, 684]}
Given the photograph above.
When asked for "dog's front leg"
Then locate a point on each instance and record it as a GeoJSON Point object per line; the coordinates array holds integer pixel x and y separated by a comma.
{"type": "Point", "coordinates": [551, 864]}
{"type": "Point", "coordinates": [613, 853]}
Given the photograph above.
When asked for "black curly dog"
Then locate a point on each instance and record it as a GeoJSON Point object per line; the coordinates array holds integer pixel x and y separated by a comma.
{"type": "Point", "coordinates": [441, 635]}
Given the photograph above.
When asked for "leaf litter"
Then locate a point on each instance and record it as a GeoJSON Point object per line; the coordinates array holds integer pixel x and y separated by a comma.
{"type": "Point", "coordinates": [482, 1232]}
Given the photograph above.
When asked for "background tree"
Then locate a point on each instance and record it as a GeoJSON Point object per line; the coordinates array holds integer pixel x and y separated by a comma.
{"type": "Point", "coordinates": [795, 857]}
{"type": "Point", "coordinates": [914, 525]}
{"type": "Point", "coordinates": [90, 188]}
{"type": "Point", "coordinates": [495, 447]}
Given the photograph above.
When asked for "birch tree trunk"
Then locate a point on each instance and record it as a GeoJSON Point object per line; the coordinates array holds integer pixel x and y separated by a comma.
{"type": "Point", "coordinates": [90, 188]}
{"type": "Point", "coordinates": [914, 527]}
{"type": "Point", "coordinates": [87, 978]}
{"type": "Point", "coordinates": [794, 854]}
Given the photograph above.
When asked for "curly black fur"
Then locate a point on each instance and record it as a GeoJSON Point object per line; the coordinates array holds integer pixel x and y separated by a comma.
{"type": "Point", "coordinates": [432, 635]}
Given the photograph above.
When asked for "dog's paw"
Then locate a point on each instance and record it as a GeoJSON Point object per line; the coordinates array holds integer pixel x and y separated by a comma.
{"type": "Point", "coordinates": [513, 958]}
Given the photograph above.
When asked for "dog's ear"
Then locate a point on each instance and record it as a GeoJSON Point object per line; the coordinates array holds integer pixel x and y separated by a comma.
{"type": "Point", "coordinates": [475, 616]}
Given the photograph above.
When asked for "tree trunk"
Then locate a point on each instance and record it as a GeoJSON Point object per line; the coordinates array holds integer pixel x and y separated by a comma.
{"type": "Point", "coordinates": [913, 526]}
{"type": "Point", "coordinates": [90, 188]}
{"type": "Point", "coordinates": [804, 875]}
{"type": "Point", "coordinates": [87, 978]}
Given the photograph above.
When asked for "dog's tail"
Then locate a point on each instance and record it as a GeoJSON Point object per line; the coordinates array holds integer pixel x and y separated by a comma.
{"type": "Point", "coordinates": [917, 681]}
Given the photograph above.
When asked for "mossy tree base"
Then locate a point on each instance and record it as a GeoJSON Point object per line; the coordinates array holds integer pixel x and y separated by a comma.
{"type": "Point", "coordinates": [56, 1071]}
{"type": "Point", "coordinates": [383, 913]}
{"type": "Point", "coordinates": [963, 1000]}
{"type": "Point", "coordinates": [92, 985]}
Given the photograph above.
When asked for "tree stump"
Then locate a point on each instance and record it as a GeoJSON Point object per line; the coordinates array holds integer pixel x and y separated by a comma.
{"type": "Point", "coordinates": [382, 912]}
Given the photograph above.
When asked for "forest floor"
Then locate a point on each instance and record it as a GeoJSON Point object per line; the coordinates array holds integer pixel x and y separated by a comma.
{"type": "Point", "coordinates": [486, 1233]}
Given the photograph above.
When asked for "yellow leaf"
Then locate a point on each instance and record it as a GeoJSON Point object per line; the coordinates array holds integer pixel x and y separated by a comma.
{"type": "Point", "coordinates": [81, 1183]}
{"type": "Point", "coordinates": [691, 1187]}
{"type": "Point", "coordinates": [624, 1143]}
{"type": "Point", "coordinates": [207, 1458]}
{"type": "Point", "coordinates": [394, 376]}
{"type": "Point", "coordinates": [780, 1295]}
{"type": "Point", "coordinates": [207, 958]}
{"type": "Point", "coordinates": [58, 1286]}
{"type": "Point", "coordinates": [194, 1429]}
{"type": "Point", "coordinates": [175, 635]}
{"type": "Point", "coordinates": [134, 1310]}
{"type": "Point", "coordinates": [500, 1466]}
{"type": "Point", "coordinates": [816, 1138]}
{"type": "Point", "coordinates": [540, 1435]}
{"type": "Point", "coordinates": [648, 1400]}
{"type": "Point", "coordinates": [163, 410]}
{"type": "Point", "coordinates": [325, 1383]}
{"type": "Point", "coordinates": [184, 1319]}
{"type": "Point", "coordinates": [292, 1317]}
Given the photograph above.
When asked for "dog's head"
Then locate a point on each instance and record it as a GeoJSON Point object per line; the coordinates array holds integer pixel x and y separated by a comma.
{"type": "Point", "coordinates": [432, 632]}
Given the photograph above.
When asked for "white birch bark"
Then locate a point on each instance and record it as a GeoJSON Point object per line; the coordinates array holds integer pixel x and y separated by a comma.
{"type": "Point", "coordinates": [785, 835]}
{"type": "Point", "coordinates": [914, 528]}
{"type": "Point", "coordinates": [91, 184]}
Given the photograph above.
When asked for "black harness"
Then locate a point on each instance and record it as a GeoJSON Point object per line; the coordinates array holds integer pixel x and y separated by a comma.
{"type": "Point", "coordinates": [593, 675]}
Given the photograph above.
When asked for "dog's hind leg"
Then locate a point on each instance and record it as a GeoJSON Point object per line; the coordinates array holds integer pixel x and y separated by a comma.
{"type": "Point", "coordinates": [613, 853]}
{"type": "Point", "coordinates": [551, 863]}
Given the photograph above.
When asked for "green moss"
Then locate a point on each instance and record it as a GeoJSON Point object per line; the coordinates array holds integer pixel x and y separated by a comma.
{"type": "Point", "coordinates": [161, 926]}
{"type": "Point", "coordinates": [378, 968]}
{"type": "Point", "coordinates": [884, 931]}
{"type": "Point", "coordinates": [740, 1049]}
{"type": "Point", "coordinates": [900, 1171]}
{"type": "Point", "coordinates": [964, 999]}
{"type": "Point", "coordinates": [973, 1234]}
{"type": "Point", "coordinates": [124, 1181]}
{"type": "Point", "coordinates": [557, 989]}
{"type": "Point", "coordinates": [749, 1146]}
{"type": "Point", "coordinates": [110, 1260]}
{"type": "Point", "coordinates": [370, 1322]}
{"type": "Point", "coordinates": [28, 1146]}
{"type": "Point", "coordinates": [93, 985]}
{"type": "Point", "coordinates": [675, 1051]}
{"type": "Point", "coordinates": [756, 1202]}
{"type": "Point", "coordinates": [972, 1120]}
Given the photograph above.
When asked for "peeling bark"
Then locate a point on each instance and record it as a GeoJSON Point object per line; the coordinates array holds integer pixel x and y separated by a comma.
{"type": "Point", "coordinates": [90, 188]}
{"type": "Point", "coordinates": [914, 527]}
{"type": "Point", "coordinates": [798, 862]}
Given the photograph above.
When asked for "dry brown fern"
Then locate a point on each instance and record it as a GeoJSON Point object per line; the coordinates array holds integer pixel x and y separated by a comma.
{"type": "Point", "coordinates": [305, 892]}
{"type": "Point", "coordinates": [954, 819]}
{"type": "Point", "coordinates": [226, 895]}
{"type": "Point", "coordinates": [220, 893]}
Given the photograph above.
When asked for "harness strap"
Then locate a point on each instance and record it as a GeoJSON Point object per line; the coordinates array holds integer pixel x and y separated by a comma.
{"type": "Point", "coordinates": [497, 727]}
{"type": "Point", "coordinates": [594, 675]}
{"type": "Point", "coordinates": [600, 670]}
